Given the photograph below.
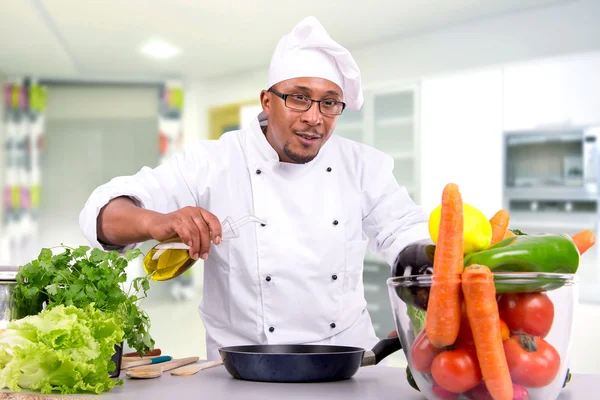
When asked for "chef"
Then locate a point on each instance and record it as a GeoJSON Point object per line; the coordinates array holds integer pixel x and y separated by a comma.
{"type": "Point", "coordinates": [297, 277]}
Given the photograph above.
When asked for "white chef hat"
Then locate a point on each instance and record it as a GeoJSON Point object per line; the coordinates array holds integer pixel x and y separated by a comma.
{"type": "Point", "coordinates": [309, 51]}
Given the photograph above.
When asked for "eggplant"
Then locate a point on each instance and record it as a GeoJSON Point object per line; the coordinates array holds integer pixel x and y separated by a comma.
{"type": "Point", "coordinates": [416, 259]}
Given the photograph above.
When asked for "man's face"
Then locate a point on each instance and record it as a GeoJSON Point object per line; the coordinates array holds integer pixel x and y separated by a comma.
{"type": "Point", "coordinates": [297, 136]}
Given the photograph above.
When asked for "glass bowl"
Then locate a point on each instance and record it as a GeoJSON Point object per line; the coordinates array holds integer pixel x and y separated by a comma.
{"type": "Point", "coordinates": [535, 308]}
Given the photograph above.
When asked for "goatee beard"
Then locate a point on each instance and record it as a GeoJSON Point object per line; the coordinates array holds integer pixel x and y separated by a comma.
{"type": "Point", "coordinates": [298, 158]}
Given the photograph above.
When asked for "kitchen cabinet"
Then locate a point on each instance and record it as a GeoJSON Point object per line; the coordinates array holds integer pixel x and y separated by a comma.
{"type": "Point", "coordinates": [351, 124]}
{"type": "Point", "coordinates": [552, 92]}
{"type": "Point", "coordinates": [388, 121]}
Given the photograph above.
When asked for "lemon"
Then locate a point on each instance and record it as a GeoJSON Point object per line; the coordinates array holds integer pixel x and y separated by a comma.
{"type": "Point", "coordinates": [477, 228]}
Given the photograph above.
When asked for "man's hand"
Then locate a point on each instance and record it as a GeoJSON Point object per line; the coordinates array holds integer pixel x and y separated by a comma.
{"type": "Point", "coordinates": [194, 225]}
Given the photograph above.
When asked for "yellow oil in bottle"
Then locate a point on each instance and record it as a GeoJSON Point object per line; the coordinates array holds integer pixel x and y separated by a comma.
{"type": "Point", "coordinates": [170, 264]}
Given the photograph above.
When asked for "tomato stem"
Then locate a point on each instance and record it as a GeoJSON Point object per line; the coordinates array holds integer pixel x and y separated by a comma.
{"type": "Point", "coordinates": [528, 343]}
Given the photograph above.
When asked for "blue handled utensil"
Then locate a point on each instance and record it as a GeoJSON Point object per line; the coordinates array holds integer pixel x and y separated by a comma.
{"type": "Point", "coordinates": [147, 361]}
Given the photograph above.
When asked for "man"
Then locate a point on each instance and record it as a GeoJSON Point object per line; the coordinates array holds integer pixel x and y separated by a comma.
{"type": "Point", "coordinates": [298, 277]}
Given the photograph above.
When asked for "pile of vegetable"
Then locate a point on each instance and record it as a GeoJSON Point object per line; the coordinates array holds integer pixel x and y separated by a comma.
{"type": "Point", "coordinates": [475, 338]}
{"type": "Point", "coordinates": [72, 314]}
{"type": "Point", "coordinates": [63, 349]}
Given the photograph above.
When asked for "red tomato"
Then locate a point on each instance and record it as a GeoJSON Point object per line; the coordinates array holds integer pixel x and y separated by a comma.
{"type": "Point", "coordinates": [530, 313]}
{"type": "Point", "coordinates": [457, 371]}
{"type": "Point", "coordinates": [422, 353]}
{"type": "Point", "coordinates": [532, 362]}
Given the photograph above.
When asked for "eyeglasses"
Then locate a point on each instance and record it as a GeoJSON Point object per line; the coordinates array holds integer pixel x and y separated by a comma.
{"type": "Point", "coordinates": [300, 102]}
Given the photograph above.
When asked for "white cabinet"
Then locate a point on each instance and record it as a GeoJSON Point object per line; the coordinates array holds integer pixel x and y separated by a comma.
{"type": "Point", "coordinates": [461, 138]}
{"type": "Point", "coordinates": [583, 90]}
{"type": "Point", "coordinates": [394, 132]}
{"type": "Point", "coordinates": [351, 124]}
{"type": "Point", "coordinates": [388, 122]}
{"type": "Point", "coordinates": [552, 92]}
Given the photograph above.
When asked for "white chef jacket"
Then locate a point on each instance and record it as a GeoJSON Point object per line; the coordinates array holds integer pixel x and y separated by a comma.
{"type": "Point", "coordinates": [298, 279]}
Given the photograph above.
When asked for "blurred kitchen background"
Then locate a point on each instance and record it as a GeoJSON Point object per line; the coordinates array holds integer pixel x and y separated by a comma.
{"type": "Point", "coordinates": [501, 97]}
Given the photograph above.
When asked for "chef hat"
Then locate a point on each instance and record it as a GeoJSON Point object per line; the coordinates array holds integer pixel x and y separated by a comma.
{"type": "Point", "coordinates": [309, 51]}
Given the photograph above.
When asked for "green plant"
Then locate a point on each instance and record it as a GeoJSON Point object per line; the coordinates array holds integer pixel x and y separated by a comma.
{"type": "Point", "coordinates": [63, 349]}
{"type": "Point", "coordinates": [78, 277]}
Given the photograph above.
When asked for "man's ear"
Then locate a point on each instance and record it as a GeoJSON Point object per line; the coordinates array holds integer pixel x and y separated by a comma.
{"type": "Point", "coordinates": [265, 102]}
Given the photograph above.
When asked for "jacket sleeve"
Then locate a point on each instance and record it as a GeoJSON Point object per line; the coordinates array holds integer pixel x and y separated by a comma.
{"type": "Point", "coordinates": [166, 188]}
{"type": "Point", "coordinates": [391, 219]}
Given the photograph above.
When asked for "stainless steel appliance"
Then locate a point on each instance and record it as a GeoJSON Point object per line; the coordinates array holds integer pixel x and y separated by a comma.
{"type": "Point", "coordinates": [552, 185]}
{"type": "Point", "coordinates": [550, 163]}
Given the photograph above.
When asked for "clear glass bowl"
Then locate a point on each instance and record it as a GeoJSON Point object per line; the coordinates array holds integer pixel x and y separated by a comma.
{"type": "Point", "coordinates": [515, 292]}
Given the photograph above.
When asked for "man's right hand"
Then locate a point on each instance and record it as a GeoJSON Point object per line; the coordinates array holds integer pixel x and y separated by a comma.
{"type": "Point", "coordinates": [194, 225]}
{"type": "Point", "coordinates": [122, 222]}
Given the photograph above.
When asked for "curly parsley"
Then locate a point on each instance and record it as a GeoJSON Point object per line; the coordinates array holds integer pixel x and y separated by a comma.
{"type": "Point", "coordinates": [79, 277]}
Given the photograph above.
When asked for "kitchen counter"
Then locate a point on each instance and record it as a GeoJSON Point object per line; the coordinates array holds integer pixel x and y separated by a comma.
{"type": "Point", "coordinates": [376, 383]}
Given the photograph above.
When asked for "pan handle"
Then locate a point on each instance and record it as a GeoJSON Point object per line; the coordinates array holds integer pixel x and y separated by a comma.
{"type": "Point", "coordinates": [381, 350]}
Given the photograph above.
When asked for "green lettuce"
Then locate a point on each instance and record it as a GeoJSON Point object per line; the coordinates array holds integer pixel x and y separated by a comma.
{"type": "Point", "coordinates": [417, 318]}
{"type": "Point", "coordinates": [63, 349]}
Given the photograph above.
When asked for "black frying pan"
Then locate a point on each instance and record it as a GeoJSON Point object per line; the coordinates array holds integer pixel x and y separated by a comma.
{"type": "Point", "coordinates": [302, 363]}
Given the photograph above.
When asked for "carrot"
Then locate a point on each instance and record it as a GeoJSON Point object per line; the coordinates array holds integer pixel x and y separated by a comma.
{"type": "Point", "coordinates": [499, 224]}
{"type": "Point", "coordinates": [584, 240]}
{"type": "Point", "coordinates": [482, 311]}
{"type": "Point", "coordinates": [445, 296]}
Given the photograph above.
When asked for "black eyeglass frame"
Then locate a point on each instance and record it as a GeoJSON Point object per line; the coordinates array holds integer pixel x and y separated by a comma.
{"type": "Point", "coordinates": [284, 97]}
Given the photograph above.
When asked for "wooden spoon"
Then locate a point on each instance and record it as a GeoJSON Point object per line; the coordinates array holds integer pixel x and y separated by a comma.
{"type": "Point", "coordinates": [193, 369]}
{"type": "Point", "coordinates": [154, 371]}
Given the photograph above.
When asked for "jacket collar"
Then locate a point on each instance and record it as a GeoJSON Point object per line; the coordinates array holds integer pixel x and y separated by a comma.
{"type": "Point", "coordinates": [261, 149]}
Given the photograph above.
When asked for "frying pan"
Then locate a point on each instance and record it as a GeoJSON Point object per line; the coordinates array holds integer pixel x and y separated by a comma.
{"type": "Point", "coordinates": [302, 363]}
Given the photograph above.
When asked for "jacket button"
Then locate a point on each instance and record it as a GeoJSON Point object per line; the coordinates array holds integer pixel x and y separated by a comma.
{"type": "Point", "coordinates": [258, 171]}
{"type": "Point", "coordinates": [268, 279]}
{"type": "Point", "coordinates": [332, 325]}
{"type": "Point", "coordinates": [334, 277]}
{"type": "Point", "coordinates": [328, 169]}
{"type": "Point", "coordinates": [271, 329]}
{"type": "Point", "coordinates": [335, 222]}
{"type": "Point", "coordinates": [263, 224]}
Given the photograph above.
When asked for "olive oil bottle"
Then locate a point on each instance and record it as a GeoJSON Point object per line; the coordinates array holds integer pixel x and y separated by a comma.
{"type": "Point", "coordinates": [170, 264]}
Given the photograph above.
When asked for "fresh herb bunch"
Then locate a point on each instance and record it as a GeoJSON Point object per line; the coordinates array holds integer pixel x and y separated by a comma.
{"type": "Point", "coordinates": [79, 277]}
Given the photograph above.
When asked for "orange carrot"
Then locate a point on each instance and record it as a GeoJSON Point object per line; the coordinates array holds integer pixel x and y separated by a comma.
{"type": "Point", "coordinates": [499, 224]}
{"type": "Point", "coordinates": [482, 310]}
{"type": "Point", "coordinates": [584, 240]}
{"type": "Point", "coordinates": [508, 234]}
{"type": "Point", "coordinates": [445, 296]}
